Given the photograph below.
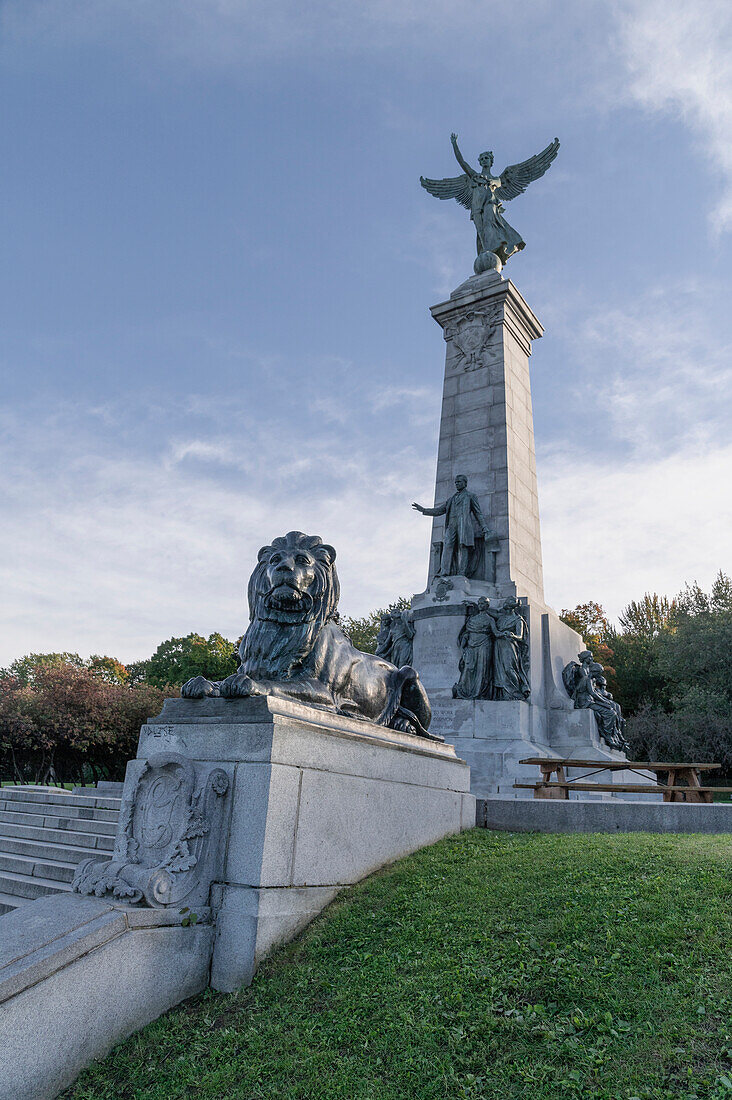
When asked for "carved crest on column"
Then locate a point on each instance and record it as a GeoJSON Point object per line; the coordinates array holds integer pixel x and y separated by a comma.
{"type": "Point", "coordinates": [443, 588]}
{"type": "Point", "coordinates": [471, 334]}
{"type": "Point", "coordinates": [167, 845]}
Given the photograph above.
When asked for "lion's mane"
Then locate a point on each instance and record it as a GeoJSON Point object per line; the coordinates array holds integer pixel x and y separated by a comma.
{"type": "Point", "coordinates": [279, 641]}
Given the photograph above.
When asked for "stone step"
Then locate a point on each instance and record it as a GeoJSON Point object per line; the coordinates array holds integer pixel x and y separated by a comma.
{"type": "Point", "coordinates": [58, 820]}
{"type": "Point", "coordinates": [65, 809]}
{"type": "Point", "coordinates": [30, 886]}
{"type": "Point", "coordinates": [55, 869]}
{"type": "Point", "coordinates": [51, 835]}
{"type": "Point", "coordinates": [9, 902]}
{"type": "Point", "coordinates": [54, 796]}
{"type": "Point", "coordinates": [37, 849]}
{"type": "Point", "coordinates": [105, 787]}
{"type": "Point", "coordinates": [44, 833]}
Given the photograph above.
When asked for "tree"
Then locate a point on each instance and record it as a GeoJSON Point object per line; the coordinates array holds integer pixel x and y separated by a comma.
{"type": "Point", "coordinates": [697, 655]}
{"type": "Point", "coordinates": [639, 683]}
{"type": "Point", "coordinates": [179, 659]}
{"type": "Point", "coordinates": [362, 632]}
{"type": "Point", "coordinates": [591, 622]}
{"type": "Point", "coordinates": [647, 618]}
{"type": "Point", "coordinates": [65, 723]}
{"type": "Point", "coordinates": [108, 669]}
{"type": "Point", "coordinates": [25, 668]}
{"type": "Point", "coordinates": [694, 601]}
{"type": "Point", "coordinates": [692, 658]}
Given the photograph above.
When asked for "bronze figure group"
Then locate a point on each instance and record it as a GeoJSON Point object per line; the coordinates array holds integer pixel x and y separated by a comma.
{"type": "Point", "coordinates": [494, 662]}
{"type": "Point", "coordinates": [586, 684]}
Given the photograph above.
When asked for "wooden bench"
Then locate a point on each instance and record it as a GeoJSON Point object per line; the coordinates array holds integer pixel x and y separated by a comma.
{"type": "Point", "coordinates": [682, 784]}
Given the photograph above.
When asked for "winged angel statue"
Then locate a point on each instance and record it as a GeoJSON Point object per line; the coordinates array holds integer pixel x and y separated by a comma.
{"type": "Point", "coordinates": [483, 194]}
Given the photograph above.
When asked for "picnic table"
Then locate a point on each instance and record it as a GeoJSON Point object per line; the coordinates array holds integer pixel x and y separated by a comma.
{"type": "Point", "coordinates": [683, 782]}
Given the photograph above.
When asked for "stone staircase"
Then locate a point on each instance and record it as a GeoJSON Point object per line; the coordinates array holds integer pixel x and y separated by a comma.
{"type": "Point", "coordinates": [44, 833]}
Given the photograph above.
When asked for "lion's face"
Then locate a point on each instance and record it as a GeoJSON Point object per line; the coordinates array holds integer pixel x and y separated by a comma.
{"type": "Point", "coordinates": [290, 575]}
{"type": "Point", "coordinates": [295, 581]}
{"type": "Point", "coordinates": [293, 592]}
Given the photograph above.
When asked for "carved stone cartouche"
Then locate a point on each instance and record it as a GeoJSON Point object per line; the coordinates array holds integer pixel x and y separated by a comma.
{"type": "Point", "coordinates": [167, 849]}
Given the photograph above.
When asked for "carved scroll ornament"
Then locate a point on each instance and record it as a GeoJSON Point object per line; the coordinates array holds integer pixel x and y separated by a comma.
{"type": "Point", "coordinates": [166, 851]}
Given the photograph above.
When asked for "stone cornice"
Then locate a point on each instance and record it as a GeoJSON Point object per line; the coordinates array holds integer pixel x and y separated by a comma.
{"type": "Point", "coordinates": [484, 290]}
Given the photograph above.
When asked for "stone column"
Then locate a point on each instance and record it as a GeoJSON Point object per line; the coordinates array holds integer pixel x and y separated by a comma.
{"type": "Point", "coordinates": [487, 430]}
{"type": "Point", "coordinates": [487, 434]}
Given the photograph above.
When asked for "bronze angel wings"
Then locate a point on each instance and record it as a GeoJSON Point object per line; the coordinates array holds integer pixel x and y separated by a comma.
{"type": "Point", "coordinates": [514, 179]}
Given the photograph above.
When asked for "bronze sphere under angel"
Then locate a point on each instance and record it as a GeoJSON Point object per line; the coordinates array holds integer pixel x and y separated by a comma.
{"type": "Point", "coordinates": [483, 194]}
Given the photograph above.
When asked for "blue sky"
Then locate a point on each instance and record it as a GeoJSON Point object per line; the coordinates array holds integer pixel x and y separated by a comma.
{"type": "Point", "coordinates": [217, 268]}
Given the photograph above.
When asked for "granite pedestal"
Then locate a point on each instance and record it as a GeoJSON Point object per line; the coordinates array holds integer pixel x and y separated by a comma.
{"type": "Point", "coordinates": [317, 802]}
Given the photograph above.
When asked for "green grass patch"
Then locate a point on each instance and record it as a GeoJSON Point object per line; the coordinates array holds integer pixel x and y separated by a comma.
{"type": "Point", "coordinates": [488, 967]}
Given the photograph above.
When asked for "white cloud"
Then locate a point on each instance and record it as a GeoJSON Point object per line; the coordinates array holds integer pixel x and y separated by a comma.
{"type": "Point", "coordinates": [679, 59]}
{"type": "Point", "coordinates": [612, 532]}
{"type": "Point", "coordinates": [105, 549]}
{"type": "Point", "coordinates": [658, 372]}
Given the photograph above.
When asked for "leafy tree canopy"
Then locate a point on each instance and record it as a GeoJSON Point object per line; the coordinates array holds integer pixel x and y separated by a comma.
{"type": "Point", "coordinates": [697, 655]}
{"type": "Point", "coordinates": [25, 668]}
{"type": "Point", "coordinates": [689, 715]}
{"type": "Point", "coordinates": [178, 659]}
{"type": "Point", "coordinates": [647, 618]}
{"type": "Point", "coordinates": [64, 722]}
{"type": "Point", "coordinates": [589, 620]}
{"type": "Point", "coordinates": [108, 669]}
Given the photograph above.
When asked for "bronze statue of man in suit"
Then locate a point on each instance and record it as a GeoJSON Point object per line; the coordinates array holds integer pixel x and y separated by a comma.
{"type": "Point", "coordinates": [458, 511]}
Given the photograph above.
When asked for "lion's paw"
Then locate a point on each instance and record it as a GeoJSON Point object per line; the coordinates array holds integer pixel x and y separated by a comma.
{"type": "Point", "coordinates": [199, 688]}
{"type": "Point", "coordinates": [239, 686]}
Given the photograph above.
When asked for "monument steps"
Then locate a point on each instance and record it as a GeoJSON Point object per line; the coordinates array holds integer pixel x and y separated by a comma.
{"type": "Point", "coordinates": [39, 868]}
{"type": "Point", "coordinates": [57, 797]}
{"type": "Point", "coordinates": [53, 835]}
{"type": "Point", "coordinates": [44, 833]}
{"type": "Point", "coordinates": [29, 887]}
{"type": "Point", "coordinates": [40, 850]}
{"type": "Point", "coordinates": [8, 902]}
{"type": "Point", "coordinates": [56, 821]}
{"type": "Point", "coordinates": [84, 813]}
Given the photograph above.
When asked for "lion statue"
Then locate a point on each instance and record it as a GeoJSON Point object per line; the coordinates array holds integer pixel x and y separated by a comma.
{"type": "Point", "coordinates": [294, 648]}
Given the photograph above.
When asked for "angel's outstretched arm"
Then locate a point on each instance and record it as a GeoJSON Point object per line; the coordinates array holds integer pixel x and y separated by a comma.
{"type": "Point", "coordinates": [459, 157]}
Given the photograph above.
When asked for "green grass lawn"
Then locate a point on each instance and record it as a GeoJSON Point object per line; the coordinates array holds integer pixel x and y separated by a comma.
{"type": "Point", "coordinates": [490, 966]}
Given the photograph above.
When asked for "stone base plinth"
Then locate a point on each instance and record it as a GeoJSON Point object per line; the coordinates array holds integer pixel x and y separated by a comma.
{"type": "Point", "coordinates": [78, 975]}
{"type": "Point", "coordinates": [616, 815]}
{"type": "Point", "coordinates": [494, 736]}
{"type": "Point", "coordinates": [317, 802]}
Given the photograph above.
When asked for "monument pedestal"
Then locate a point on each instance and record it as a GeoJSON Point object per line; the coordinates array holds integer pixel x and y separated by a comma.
{"type": "Point", "coordinates": [493, 736]}
{"type": "Point", "coordinates": [317, 802]}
